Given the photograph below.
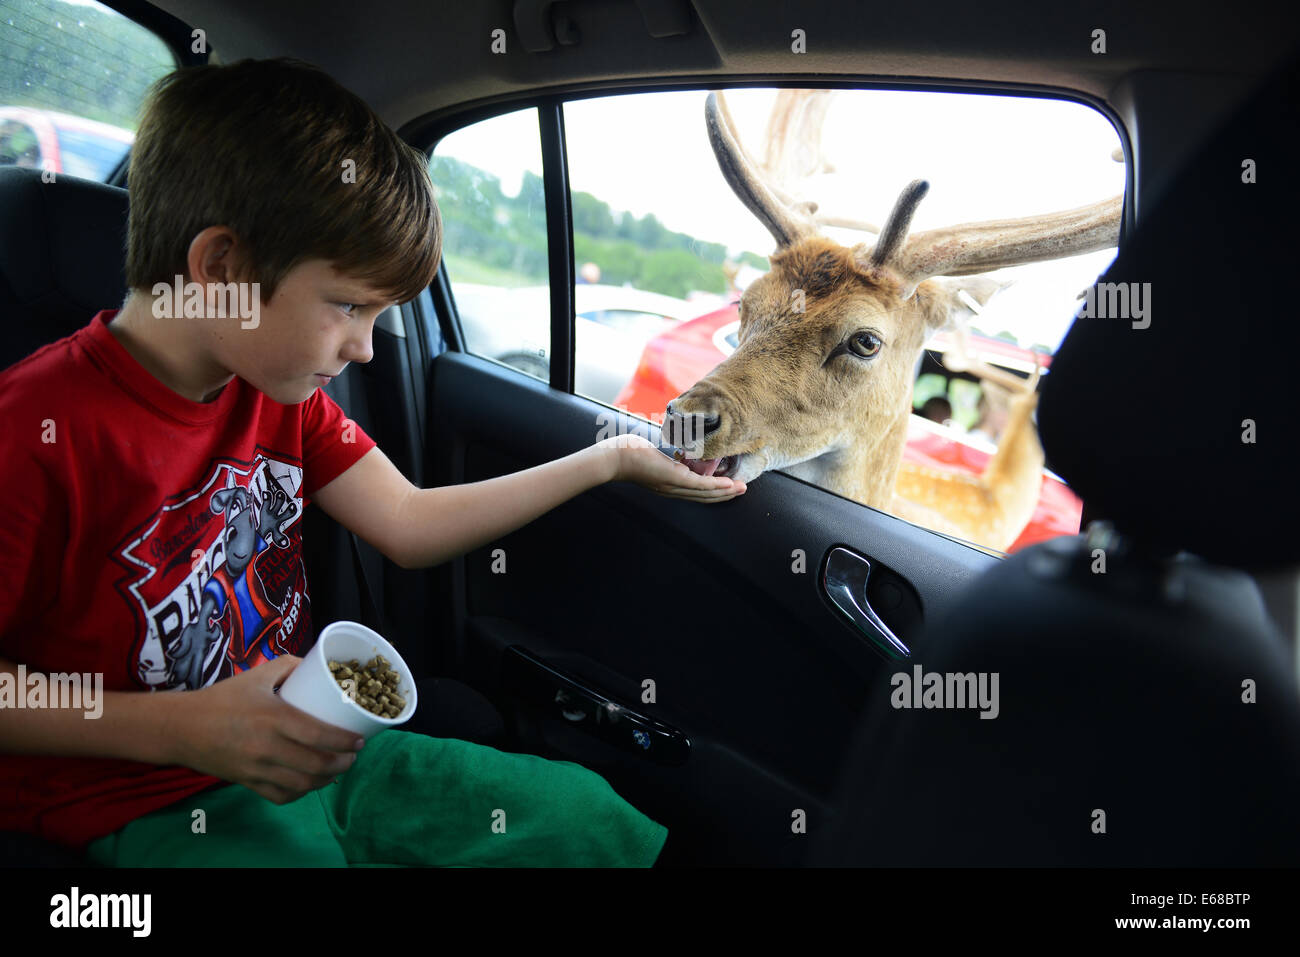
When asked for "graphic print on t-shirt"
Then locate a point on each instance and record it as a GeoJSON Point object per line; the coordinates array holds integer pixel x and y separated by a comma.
{"type": "Point", "coordinates": [218, 578]}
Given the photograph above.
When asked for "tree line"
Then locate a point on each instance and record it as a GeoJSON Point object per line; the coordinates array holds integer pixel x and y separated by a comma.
{"type": "Point", "coordinates": [509, 233]}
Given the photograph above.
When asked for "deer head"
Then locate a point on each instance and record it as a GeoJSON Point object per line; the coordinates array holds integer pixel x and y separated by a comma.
{"type": "Point", "coordinates": [820, 383]}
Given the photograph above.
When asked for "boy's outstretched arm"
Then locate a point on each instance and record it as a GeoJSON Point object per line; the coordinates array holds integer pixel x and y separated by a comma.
{"type": "Point", "coordinates": [417, 528]}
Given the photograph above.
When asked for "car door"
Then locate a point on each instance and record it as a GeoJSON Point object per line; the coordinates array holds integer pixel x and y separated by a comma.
{"type": "Point", "coordinates": [710, 661]}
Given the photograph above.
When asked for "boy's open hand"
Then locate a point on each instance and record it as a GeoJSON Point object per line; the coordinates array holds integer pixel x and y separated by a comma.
{"type": "Point", "coordinates": [239, 730]}
{"type": "Point", "coordinates": [636, 459]}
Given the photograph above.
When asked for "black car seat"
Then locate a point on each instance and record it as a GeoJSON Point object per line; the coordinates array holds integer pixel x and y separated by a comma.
{"type": "Point", "coordinates": [62, 259]}
{"type": "Point", "coordinates": [1148, 714]}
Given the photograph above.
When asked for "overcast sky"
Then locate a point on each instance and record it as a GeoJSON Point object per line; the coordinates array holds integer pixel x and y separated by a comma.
{"type": "Point", "coordinates": [986, 157]}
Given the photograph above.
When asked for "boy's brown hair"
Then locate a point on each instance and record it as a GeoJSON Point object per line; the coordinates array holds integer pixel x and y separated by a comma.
{"type": "Point", "coordinates": [261, 146]}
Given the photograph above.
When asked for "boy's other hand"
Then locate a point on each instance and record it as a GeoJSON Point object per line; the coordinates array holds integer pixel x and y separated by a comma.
{"type": "Point", "coordinates": [635, 459]}
{"type": "Point", "coordinates": [239, 730]}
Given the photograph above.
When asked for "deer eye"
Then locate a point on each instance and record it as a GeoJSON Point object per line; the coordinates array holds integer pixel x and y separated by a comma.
{"type": "Point", "coordinates": [865, 344]}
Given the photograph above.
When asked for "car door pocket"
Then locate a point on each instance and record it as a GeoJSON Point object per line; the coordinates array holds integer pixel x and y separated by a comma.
{"type": "Point", "coordinates": [846, 583]}
{"type": "Point", "coordinates": [575, 702]}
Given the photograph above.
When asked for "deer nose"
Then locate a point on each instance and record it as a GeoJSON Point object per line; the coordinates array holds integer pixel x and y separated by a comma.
{"type": "Point", "coordinates": [683, 429]}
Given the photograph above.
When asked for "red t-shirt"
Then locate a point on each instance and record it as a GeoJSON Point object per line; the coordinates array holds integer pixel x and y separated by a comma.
{"type": "Point", "coordinates": [150, 538]}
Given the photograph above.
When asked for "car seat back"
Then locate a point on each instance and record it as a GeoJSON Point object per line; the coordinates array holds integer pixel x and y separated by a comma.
{"type": "Point", "coordinates": [62, 257]}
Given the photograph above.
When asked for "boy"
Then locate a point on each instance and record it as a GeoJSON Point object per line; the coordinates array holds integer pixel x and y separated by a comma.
{"type": "Point", "coordinates": [267, 183]}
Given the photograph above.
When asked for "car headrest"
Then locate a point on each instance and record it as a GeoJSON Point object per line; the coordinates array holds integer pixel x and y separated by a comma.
{"type": "Point", "coordinates": [1182, 433]}
{"type": "Point", "coordinates": [62, 257]}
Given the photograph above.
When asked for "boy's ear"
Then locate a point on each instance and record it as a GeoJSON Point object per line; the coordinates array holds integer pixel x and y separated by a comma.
{"type": "Point", "coordinates": [216, 256]}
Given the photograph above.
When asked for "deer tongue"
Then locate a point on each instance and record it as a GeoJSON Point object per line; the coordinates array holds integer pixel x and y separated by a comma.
{"type": "Point", "coordinates": [702, 466]}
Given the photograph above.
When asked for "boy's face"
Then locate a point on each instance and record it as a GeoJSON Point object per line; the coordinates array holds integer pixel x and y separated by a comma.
{"type": "Point", "coordinates": [318, 321]}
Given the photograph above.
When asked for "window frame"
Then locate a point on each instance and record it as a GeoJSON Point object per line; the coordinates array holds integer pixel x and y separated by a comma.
{"type": "Point", "coordinates": [175, 33]}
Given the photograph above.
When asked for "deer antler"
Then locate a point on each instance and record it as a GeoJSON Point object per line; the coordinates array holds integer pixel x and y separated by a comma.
{"type": "Point", "coordinates": [985, 246]}
{"type": "Point", "coordinates": [954, 251]}
{"type": "Point", "coordinates": [787, 224]}
{"type": "Point", "coordinates": [809, 209]}
{"type": "Point", "coordinates": [794, 132]}
{"type": "Point", "coordinates": [961, 358]}
{"type": "Point", "coordinates": [795, 123]}
{"type": "Point", "coordinates": [845, 223]}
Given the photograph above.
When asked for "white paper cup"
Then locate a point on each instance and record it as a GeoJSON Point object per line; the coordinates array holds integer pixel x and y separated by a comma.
{"type": "Point", "coordinates": [311, 687]}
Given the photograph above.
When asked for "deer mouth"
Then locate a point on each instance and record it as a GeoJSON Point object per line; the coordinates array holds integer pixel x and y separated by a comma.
{"type": "Point", "coordinates": [722, 467]}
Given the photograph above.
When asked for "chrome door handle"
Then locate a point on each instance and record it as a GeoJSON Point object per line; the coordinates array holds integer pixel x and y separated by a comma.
{"type": "Point", "coordinates": [845, 584]}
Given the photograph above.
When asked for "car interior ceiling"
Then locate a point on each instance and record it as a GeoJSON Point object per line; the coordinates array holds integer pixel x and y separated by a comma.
{"type": "Point", "coordinates": [1181, 86]}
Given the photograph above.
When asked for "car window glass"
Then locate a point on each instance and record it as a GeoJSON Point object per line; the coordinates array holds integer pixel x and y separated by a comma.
{"type": "Point", "coordinates": [628, 260]}
{"type": "Point", "coordinates": [488, 182]}
{"type": "Point", "coordinates": [654, 216]}
{"type": "Point", "coordinates": [72, 78]}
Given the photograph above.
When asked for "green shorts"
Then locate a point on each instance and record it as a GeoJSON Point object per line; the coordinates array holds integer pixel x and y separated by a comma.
{"type": "Point", "coordinates": [410, 800]}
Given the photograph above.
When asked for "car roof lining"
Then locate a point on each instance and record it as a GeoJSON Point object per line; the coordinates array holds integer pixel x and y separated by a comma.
{"type": "Point", "coordinates": [1020, 43]}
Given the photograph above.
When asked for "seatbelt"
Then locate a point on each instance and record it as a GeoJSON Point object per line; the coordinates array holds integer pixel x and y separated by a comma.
{"type": "Point", "coordinates": [371, 616]}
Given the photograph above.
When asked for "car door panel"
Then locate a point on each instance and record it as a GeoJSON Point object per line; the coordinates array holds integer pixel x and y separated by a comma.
{"type": "Point", "coordinates": [620, 586]}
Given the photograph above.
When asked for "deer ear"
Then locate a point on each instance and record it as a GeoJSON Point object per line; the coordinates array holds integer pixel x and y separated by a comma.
{"type": "Point", "coordinates": [935, 303]}
{"type": "Point", "coordinates": [941, 299]}
{"type": "Point", "coordinates": [979, 288]}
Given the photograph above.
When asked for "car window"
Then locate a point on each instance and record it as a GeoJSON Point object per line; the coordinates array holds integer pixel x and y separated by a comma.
{"type": "Point", "coordinates": [488, 182]}
{"type": "Point", "coordinates": [654, 215]}
{"type": "Point", "coordinates": [72, 78]}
